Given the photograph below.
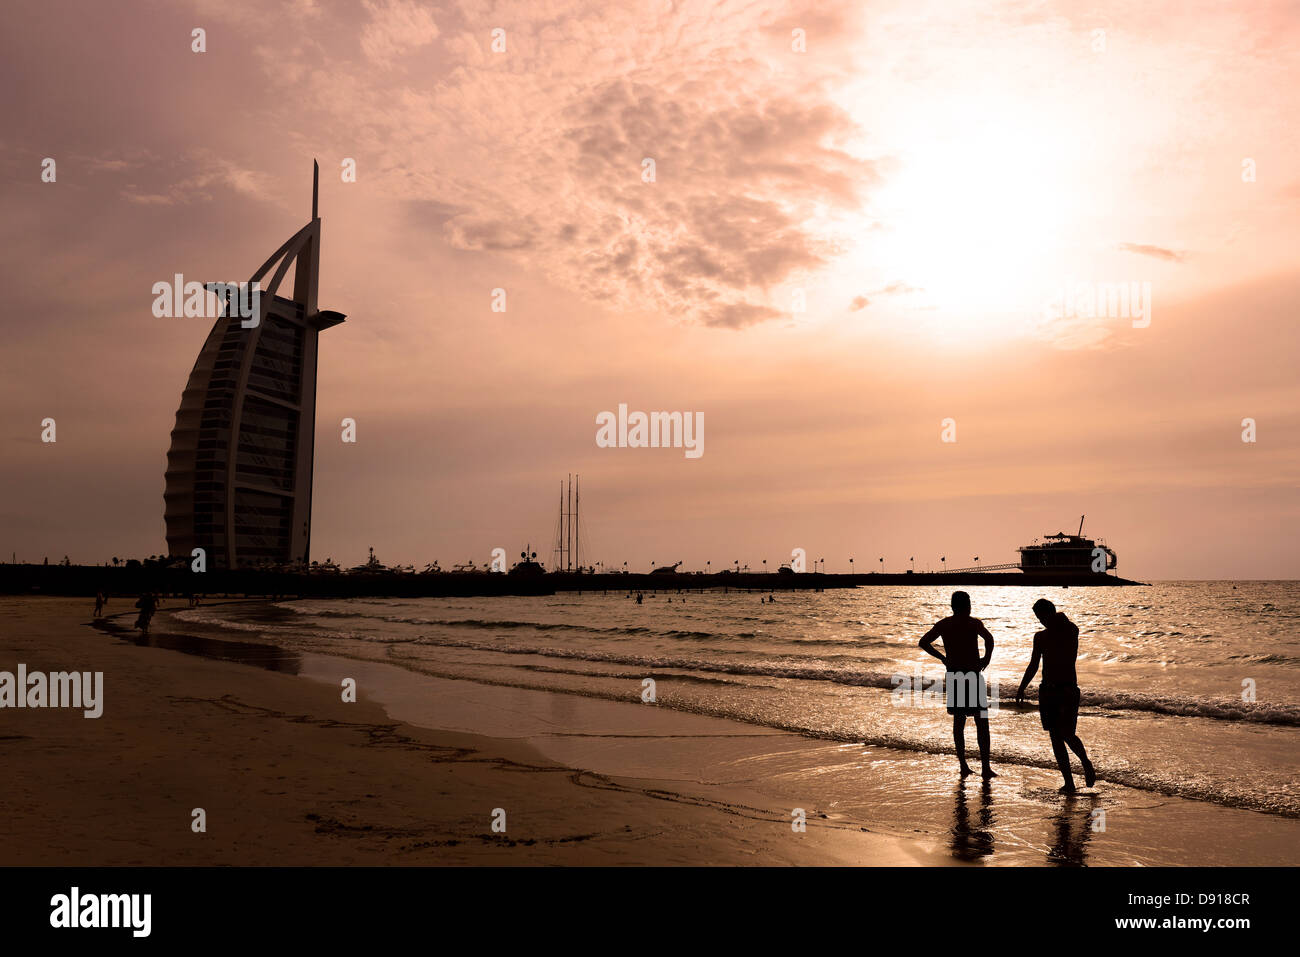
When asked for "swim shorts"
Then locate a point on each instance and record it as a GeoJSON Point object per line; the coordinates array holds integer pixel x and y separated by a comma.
{"type": "Point", "coordinates": [1058, 707]}
{"type": "Point", "coordinates": [966, 693]}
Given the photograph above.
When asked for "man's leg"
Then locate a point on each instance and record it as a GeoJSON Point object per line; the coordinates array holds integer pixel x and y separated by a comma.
{"type": "Point", "coordinates": [1062, 761]}
{"type": "Point", "coordinates": [1076, 745]}
{"type": "Point", "coordinates": [982, 736]}
{"type": "Point", "coordinates": [959, 739]}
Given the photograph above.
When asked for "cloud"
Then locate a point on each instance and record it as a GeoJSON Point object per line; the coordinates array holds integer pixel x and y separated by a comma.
{"type": "Point", "coordinates": [738, 315]}
{"type": "Point", "coordinates": [396, 27]}
{"type": "Point", "coordinates": [201, 186]}
{"type": "Point", "coordinates": [477, 233]}
{"type": "Point", "coordinates": [540, 151]}
{"type": "Point", "coordinates": [101, 165]}
{"type": "Point", "coordinates": [891, 289]}
{"type": "Point", "coordinates": [1155, 252]}
{"type": "Point", "coordinates": [734, 208]}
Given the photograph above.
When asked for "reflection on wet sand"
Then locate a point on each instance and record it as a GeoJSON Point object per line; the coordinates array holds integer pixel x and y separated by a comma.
{"type": "Point", "coordinates": [259, 654]}
{"type": "Point", "coordinates": [972, 843]}
{"type": "Point", "coordinates": [1073, 824]}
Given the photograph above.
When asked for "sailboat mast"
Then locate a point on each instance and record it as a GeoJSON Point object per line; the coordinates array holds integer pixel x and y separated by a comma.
{"type": "Point", "coordinates": [577, 527]}
{"type": "Point", "coordinates": [557, 553]}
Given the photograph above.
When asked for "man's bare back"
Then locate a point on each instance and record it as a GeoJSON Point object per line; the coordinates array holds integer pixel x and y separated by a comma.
{"type": "Point", "coordinates": [1058, 644]}
{"type": "Point", "coordinates": [960, 634]}
{"type": "Point", "coordinates": [1057, 647]}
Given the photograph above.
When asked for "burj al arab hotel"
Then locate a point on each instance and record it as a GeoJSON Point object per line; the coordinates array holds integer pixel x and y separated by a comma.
{"type": "Point", "coordinates": [239, 469]}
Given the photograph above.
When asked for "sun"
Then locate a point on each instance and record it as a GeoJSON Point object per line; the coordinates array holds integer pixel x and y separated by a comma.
{"type": "Point", "coordinates": [978, 216]}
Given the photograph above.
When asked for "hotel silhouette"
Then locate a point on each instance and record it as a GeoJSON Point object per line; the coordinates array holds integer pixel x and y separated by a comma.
{"type": "Point", "coordinates": [239, 469]}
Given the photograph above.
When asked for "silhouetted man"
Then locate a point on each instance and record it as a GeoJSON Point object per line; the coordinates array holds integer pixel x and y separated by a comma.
{"type": "Point", "coordinates": [1057, 646]}
{"type": "Point", "coordinates": [964, 685]}
{"type": "Point", "coordinates": [148, 604]}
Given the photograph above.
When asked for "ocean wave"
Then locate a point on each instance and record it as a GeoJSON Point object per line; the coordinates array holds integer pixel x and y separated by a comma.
{"type": "Point", "coordinates": [1224, 709]}
{"type": "Point", "coordinates": [489, 624]}
{"type": "Point", "coordinates": [1266, 659]}
{"type": "Point", "coordinates": [271, 631]}
{"type": "Point", "coordinates": [827, 669]}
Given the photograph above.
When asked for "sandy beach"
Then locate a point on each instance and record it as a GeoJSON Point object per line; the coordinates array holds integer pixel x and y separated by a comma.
{"type": "Point", "coordinates": [289, 774]}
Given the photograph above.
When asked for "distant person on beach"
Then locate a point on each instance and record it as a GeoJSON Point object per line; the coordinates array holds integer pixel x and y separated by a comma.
{"type": "Point", "coordinates": [964, 684]}
{"type": "Point", "coordinates": [99, 604]}
{"type": "Point", "coordinates": [1057, 646]}
{"type": "Point", "coordinates": [147, 604]}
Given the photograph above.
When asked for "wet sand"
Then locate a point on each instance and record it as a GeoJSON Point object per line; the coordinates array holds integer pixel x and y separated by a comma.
{"type": "Point", "coordinates": [288, 773]}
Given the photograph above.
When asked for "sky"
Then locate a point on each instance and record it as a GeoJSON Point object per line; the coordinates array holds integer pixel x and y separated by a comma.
{"type": "Point", "coordinates": [839, 233]}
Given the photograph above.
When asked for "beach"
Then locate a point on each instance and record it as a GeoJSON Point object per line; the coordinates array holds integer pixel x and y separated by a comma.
{"type": "Point", "coordinates": [289, 774]}
{"type": "Point", "coordinates": [247, 721]}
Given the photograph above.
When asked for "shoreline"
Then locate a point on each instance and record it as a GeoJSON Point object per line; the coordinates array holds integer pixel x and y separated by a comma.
{"type": "Point", "coordinates": [607, 781]}
{"type": "Point", "coordinates": [288, 773]}
{"type": "Point", "coordinates": [853, 693]}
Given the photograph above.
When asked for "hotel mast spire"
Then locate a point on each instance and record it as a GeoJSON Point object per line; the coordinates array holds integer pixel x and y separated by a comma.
{"type": "Point", "coordinates": [239, 469]}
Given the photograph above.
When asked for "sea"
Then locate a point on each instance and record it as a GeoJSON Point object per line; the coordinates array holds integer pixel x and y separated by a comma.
{"type": "Point", "coordinates": [1190, 689]}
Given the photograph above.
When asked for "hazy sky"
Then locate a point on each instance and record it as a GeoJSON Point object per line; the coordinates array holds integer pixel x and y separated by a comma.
{"type": "Point", "coordinates": [923, 179]}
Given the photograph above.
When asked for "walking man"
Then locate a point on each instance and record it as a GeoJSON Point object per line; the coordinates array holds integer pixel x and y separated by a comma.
{"type": "Point", "coordinates": [1057, 646]}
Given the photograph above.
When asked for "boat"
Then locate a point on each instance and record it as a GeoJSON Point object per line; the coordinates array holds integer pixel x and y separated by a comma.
{"type": "Point", "coordinates": [1066, 554]}
{"type": "Point", "coordinates": [373, 566]}
{"type": "Point", "coordinates": [528, 564]}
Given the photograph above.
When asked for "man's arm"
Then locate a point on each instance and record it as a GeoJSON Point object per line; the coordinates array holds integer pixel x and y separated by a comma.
{"type": "Point", "coordinates": [1030, 671]}
{"type": "Point", "coordinates": [927, 644]}
{"type": "Point", "coordinates": [988, 645]}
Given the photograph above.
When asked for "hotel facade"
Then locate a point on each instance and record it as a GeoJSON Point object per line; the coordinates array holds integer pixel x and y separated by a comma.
{"type": "Point", "coordinates": [239, 468]}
